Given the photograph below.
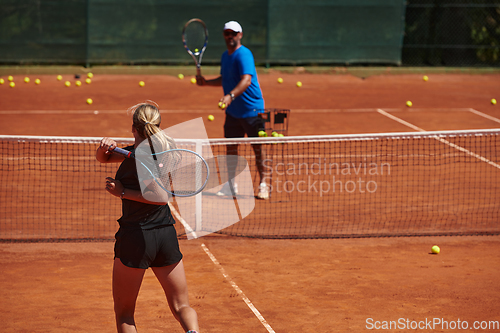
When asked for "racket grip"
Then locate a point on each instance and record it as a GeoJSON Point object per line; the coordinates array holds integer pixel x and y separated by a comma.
{"type": "Point", "coordinates": [126, 153]}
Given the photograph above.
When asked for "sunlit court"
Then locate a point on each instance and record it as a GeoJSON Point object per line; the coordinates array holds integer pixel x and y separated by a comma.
{"type": "Point", "coordinates": [384, 188]}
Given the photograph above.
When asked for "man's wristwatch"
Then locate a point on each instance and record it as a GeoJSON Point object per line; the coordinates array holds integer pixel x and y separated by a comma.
{"type": "Point", "coordinates": [232, 96]}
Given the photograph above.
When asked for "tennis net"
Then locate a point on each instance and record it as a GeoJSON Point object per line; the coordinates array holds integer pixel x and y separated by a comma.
{"type": "Point", "coordinates": [392, 184]}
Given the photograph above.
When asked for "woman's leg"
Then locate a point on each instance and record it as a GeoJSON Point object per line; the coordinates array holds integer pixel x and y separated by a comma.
{"type": "Point", "coordinates": [126, 284]}
{"type": "Point", "coordinates": [173, 280]}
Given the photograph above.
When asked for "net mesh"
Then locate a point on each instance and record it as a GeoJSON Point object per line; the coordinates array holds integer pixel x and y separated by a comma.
{"type": "Point", "coordinates": [435, 183]}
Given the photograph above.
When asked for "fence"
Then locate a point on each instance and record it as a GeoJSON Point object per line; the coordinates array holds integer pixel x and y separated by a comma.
{"type": "Point", "coordinates": [291, 32]}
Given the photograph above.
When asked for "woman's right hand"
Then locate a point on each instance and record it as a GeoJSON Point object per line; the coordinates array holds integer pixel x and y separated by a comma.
{"type": "Point", "coordinates": [107, 145]}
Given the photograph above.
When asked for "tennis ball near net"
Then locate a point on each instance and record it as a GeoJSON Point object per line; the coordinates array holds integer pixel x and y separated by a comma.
{"type": "Point", "coordinates": [211, 118]}
{"type": "Point", "coordinates": [409, 104]}
{"type": "Point", "coordinates": [493, 101]}
{"type": "Point", "coordinates": [435, 249]}
{"type": "Point", "coordinates": [262, 133]}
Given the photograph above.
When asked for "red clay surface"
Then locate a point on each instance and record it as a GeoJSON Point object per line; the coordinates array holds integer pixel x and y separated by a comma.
{"type": "Point", "coordinates": [333, 285]}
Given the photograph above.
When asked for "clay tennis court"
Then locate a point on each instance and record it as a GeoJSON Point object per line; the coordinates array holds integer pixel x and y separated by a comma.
{"type": "Point", "coordinates": [331, 285]}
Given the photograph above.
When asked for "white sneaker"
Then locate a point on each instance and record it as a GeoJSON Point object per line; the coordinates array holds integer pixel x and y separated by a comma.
{"type": "Point", "coordinates": [263, 191]}
{"type": "Point", "coordinates": [226, 190]}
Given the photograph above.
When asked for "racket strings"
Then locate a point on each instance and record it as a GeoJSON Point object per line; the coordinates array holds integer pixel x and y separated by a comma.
{"type": "Point", "coordinates": [195, 37]}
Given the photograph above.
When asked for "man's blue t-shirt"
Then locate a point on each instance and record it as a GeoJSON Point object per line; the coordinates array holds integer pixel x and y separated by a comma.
{"type": "Point", "coordinates": [233, 66]}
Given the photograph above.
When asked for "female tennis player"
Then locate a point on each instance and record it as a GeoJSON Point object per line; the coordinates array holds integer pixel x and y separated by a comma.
{"type": "Point", "coordinates": [146, 237]}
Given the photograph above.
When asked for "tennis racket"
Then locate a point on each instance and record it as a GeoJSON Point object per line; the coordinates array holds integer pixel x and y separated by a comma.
{"type": "Point", "coordinates": [179, 172]}
{"type": "Point", "coordinates": [195, 39]}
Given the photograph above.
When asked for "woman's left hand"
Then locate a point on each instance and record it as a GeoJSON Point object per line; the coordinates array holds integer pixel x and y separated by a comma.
{"type": "Point", "coordinates": [114, 186]}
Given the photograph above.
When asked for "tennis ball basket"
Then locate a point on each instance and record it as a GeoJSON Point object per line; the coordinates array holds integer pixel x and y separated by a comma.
{"type": "Point", "coordinates": [275, 120]}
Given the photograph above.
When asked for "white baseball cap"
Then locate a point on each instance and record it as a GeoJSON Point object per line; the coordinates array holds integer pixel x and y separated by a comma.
{"type": "Point", "coordinates": [233, 25]}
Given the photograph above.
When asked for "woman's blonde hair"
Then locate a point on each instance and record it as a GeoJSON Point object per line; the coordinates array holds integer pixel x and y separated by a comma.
{"type": "Point", "coordinates": [146, 120]}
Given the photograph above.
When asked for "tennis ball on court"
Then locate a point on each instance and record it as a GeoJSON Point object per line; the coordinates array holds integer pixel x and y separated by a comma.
{"type": "Point", "coordinates": [211, 118]}
{"type": "Point", "coordinates": [409, 104]}
{"type": "Point", "coordinates": [12, 84]}
{"type": "Point", "coordinates": [299, 84]}
{"type": "Point", "coordinates": [37, 81]}
{"type": "Point", "coordinates": [280, 80]}
{"type": "Point", "coordinates": [90, 75]}
{"type": "Point", "coordinates": [78, 83]}
{"type": "Point", "coordinates": [435, 249]}
{"type": "Point", "coordinates": [262, 133]}
{"type": "Point", "coordinates": [67, 83]}
{"type": "Point", "coordinates": [88, 81]}
{"type": "Point", "coordinates": [10, 78]}
{"type": "Point", "coordinates": [27, 79]}
{"type": "Point", "coordinates": [493, 101]}
{"type": "Point", "coordinates": [425, 78]}
{"type": "Point", "coordinates": [89, 101]}
{"type": "Point", "coordinates": [2, 81]}
{"type": "Point", "coordinates": [193, 80]}
{"type": "Point", "coordinates": [59, 77]}
{"type": "Point", "coordinates": [281, 135]}
{"type": "Point", "coordinates": [180, 76]}
{"type": "Point", "coordinates": [275, 134]}
{"type": "Point", "coordinates": [141, 83]}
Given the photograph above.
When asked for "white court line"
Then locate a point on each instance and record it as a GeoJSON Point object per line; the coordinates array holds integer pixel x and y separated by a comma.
{"type": "Point", "coordinates": [468, 152]}
{"type": "Point", "coordinates": [487, 116]}
{"type": "Point", "coordinates": [223, 271]}
{"type": "Point", "coordinates": [238, 290]}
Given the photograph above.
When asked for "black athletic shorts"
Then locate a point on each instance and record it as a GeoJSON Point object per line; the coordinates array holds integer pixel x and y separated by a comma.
{"type": "Point", "coordinates": [156, 247]}
{"type": "Point", "coordinates": [238, 127]}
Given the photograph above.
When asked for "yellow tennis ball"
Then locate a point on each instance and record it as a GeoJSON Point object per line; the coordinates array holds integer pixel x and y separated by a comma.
{"type": "Point", "coordinates": [10, 78]}
{"type": "Point", "coordinates": [2, 81]}
{"type": "Point", "coordinates": [67, 83]}
{"type": "Point", "coordinates": [493, 101]}
{"type": "Point", "coordinates": [88, 81]}
{"type": "Point", "coordinates": [425, 78]}
{"type": "Point", "coordinates": [409, 104]}
{"type": "Point", "coordinates": [299, 84]}
{"type": "Point", "coordinates": [275, 134]}
{"type": "Point", "coordinates": [262, 133]}
{"type": "Point", "coordinates": [195, 50]}
{"type": "Point", "coordinates": [12, 84]}
{"type": "Point", "coordinates": [78, 83]}
{"type": "Point", "coordinates": [435, 249]}
{"type": "Point", "coordinates": [280, 80]}
{"type": "Point", "coordinates": [89, 101]}
{"type": "Point", "coordinates": [37, 81]}
{"type": "Point", "coordinates": [193, 80]}
{"type": "Point", "coordinates": [280, 135]}
{"type": "Point", "coordinates": [59, 77]}
{"type": "Point", "coordinates": [180, 76]}
{"type": "Point", "coordinates": [141, 83]}
{"type": "Point", "coordinates": [90, 75]}
{"type": "Point", "coordinates": [27, 79]}
{"type": "Point", "coordinates": [211, 118]}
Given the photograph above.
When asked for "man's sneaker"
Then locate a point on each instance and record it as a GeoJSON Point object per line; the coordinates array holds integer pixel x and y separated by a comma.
{"type": "Point", "coordinates": [226, 190]}
{"type": "Point", "coordinates": [263, 191]}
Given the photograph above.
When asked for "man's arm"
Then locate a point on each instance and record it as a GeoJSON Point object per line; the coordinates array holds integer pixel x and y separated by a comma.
{"type": "Point", "coordinates": [217, 82]}
{"type": "Point", "coordinates": [240, 88]}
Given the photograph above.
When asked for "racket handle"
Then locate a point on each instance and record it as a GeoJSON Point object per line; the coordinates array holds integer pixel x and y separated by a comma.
{"type": "Point", "coordinates": [126, 153]}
